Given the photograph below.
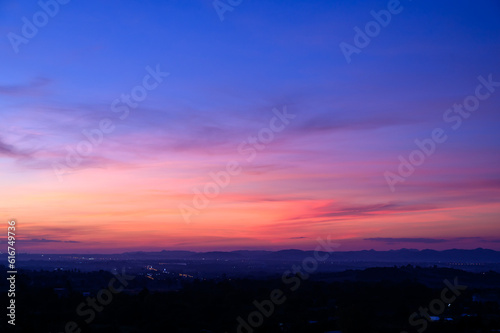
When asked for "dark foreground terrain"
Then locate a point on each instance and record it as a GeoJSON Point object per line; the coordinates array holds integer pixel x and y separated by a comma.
{"type": "Point", "coordinates": [390, 299]}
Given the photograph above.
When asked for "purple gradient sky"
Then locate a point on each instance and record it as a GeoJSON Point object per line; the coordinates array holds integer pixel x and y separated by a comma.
{"type": "Point", "coordinates": [323, 175]}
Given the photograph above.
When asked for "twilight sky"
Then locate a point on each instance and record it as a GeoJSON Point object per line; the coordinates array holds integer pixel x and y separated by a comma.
{"type": "Point", "coordinates": [150, 125]}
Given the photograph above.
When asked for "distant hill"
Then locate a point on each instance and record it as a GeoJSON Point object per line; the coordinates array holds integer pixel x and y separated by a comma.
{"type": "Point", "coordinates": [393, 256]}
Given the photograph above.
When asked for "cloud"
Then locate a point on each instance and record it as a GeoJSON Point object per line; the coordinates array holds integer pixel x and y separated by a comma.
{"type": "Point", "coordinates": [43, 240]}
{"type": "Point", "coordinates": [333, 209]}
{"type": "Point", "coordinates": [29, 89]}
{"type": "Point", "coordinates": [12, 152]}
{"type": "Point", "coordinates": [7, 150]}
{"type": "Point", "coordinates": [332, 213]}
{"type": "Point", "coordinates": [328, 123]}
{"type": "Point", "coordinates": [390, 240]}
{"type": "Point", "coordinates": [297, 237]}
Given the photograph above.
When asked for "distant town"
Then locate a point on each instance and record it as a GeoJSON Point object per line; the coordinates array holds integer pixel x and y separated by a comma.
{"type": "Point", "coordinates": [259, 291]}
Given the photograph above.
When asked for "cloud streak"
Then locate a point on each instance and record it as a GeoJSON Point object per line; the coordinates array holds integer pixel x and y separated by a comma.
{"type": "Point", "coordinates": [390, 240]}
{"type": "Point", "coordinates": [43, 240]}
{"type": "Point", "coordinates": [33, 88]}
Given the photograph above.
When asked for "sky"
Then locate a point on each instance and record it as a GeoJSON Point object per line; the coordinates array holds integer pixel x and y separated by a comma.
{"type": "Point", "coordinates": [225, 125]}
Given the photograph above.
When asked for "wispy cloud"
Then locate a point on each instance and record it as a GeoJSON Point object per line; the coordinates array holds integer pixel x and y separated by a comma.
{"type": "Point", "coordinates": [43, 240]}
{"type": "Point", "coordinates": [390, 240]}
{"type": "Point", "coordinates": [31, 88]}
{"type": "Point", "coordinates": [7, 150]}
{"type": "Point", "coordinates": [328, 123]}
{"type": "Point", "coordinates": [393, 240]}
{"type": "Point", "coordinates": [334, 209]}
